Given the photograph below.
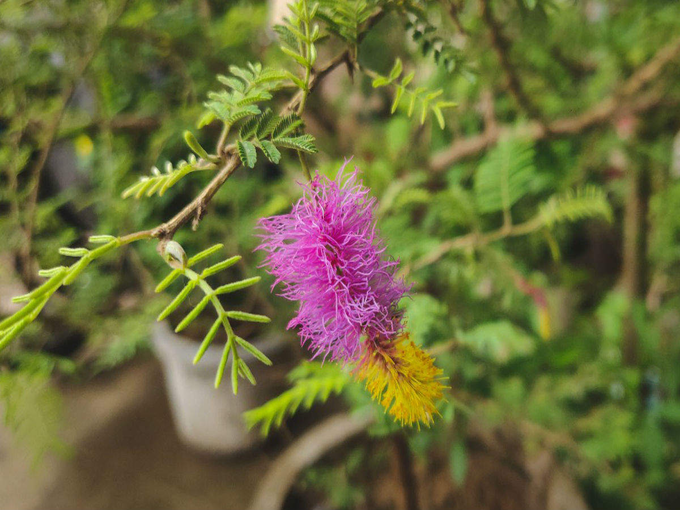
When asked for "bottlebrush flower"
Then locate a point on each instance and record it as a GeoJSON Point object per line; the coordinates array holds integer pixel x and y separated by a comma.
{"type": "Point", "coordinates": [328, 257]}
{"type": "Point", "coordinates": [403, 378]}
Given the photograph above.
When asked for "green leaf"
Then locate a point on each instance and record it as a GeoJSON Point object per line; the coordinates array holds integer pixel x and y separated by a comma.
{"type": "Point", "coordinates": [165, 283]}
{"type": "Point", "coordinates": [234, 375]}
{"type": "Point", "coordinates": [266, 123]}
{"type": "Point", "coordinates": [193, 144]}
{"type": "Point", "coordinates": [233, 287]}
{"type": "Point", "coordinates": [587, 202]}
{"type": "Point", "coordinates": [179, 299]}
{"type": "Point", "coordinates": [204, 254]}
{"type": "Point", "coordinates": [195, 312]}
{"type": "Point", "coordinates": [241, 113]}
{"type": "Point", "coordinates": [311, 385]}
{"type": "Point", "coordinates": [247, 153]}
{"type": "Point", "coordinates": [408, 78]}
{"type": "Point", "coordinates": [380, 81]}
{"type": "Point", "coordinates": [248, 128]}
{"type": "Point", "coordinates": [397, 98]}
{"type": "Point", "coordinates": [270, 151]}
{"type": "Point", "coordinates": [304, 143]}
{"type": "Point", "coordinates": [438, 114]}
{"type": "Point", "coordinates": [498, 341]}
{"type": "Point", "coordinates": [250, 317]}
{"type": "Point", "coordinates": [286, 125]}
{"type": "Point", "coordinates": [159, 183]}
{"type": "Point", "coordinates": [232, 82]}
{"type": "Point", "coordinates": [396, 70]}
{"type": "Point", "coordinates": [295, 56]}
{"type": "Point", "coordinates": [207, 340]}
{"type": "Point", "coordinates": [220, 266]}
{"type": "Point", "coordinates": [223, 363]}
{"type": "Point", "coordinates": [505, 175]}
{"type": "Point", "coordinates": [254, 351]}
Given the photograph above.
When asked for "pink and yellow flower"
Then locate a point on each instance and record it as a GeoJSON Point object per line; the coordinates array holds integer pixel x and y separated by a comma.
{"type": "Point", "coordinates": [327, 256]}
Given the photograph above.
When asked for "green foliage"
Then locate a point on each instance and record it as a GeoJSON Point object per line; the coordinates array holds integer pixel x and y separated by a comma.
{"type": "Point", "coordinates": [159, 183]}
{"type": "Point", "coordinates": [613, 419]}
{"type": "Point", "coordinates": [246, 87]}
{"type": "Point", "coordinates": [344, 18]}
{"type": "Point", "coordinates": [433, 45]}
{"type": "Point", "coordinates": [419, 98]}
{"type": "Point", "coordinates": [57, 277]}
{"type": "Point", "coordinates": [312, 382]}
{"type": "Point", "coordinates": [586, 202]}
{"type": "Point", "coordinates": [498, 341]}
{"type": "Point", "coordinates": [198, 280]}
{"type": "Point", "coordinates": [504, 176]}
{"type": "Point", "coordinates": [269, 132]}
{"type": "Point", "coordinates": [33, 411]}
{"type": "Point", "coordinates": [298, 37]}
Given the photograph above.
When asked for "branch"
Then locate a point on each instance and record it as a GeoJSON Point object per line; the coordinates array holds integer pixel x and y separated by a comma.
{"type": "Point", "coordinates": [601, 113]}
{"type": "Point", "coordinates": [230, 160]}
{"type": "Point", "coordinates": [479, 239]}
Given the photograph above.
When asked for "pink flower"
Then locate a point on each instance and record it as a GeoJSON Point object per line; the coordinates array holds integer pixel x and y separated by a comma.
{"type": "Point", "coordinates": [327, 255]}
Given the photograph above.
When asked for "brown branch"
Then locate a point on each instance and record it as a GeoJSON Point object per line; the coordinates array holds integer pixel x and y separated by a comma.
{"type": "Point", "coordinates": [601, 113]}
{"type": "Point", "coordinates": [305, 451]}
{"type": "Point", "coordinates": [406, 472]}
{"type": "Point", "coordinates": [475, 239]}
{"type": "Point", "coordinates": [501, 45]}
{"type": "Point", "coordinates": [230, 160]}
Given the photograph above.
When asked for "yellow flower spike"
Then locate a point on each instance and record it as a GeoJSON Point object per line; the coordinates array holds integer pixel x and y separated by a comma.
{"type": "Point", "coordinates": [403, 378]}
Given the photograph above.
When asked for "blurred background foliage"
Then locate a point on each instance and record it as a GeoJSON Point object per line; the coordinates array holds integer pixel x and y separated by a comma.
{"type": "Point", "coordinates": [567, 329]}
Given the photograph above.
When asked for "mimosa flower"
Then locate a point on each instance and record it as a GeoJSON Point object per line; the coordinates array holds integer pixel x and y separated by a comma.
{"type": "Point", "coordinates": [327, 255]}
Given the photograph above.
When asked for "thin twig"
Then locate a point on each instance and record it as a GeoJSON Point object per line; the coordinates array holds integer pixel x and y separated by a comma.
{"type": "Point", "coordinates": [478, 239]}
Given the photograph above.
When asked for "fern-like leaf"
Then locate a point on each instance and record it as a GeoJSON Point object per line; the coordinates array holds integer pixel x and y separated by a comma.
{"type": "Point", "coordinates": [303, 143]}
{"type": "Point", "coordinates": [312, 382]}
{"type": "Point", "coordinates": [211, 296]}
{"type": "Point", "coordinates": [11, 327]}
{"type": "Point", "coordinates": [344, 17]}
{"type": "Point", "coordinates": [159, 182]}
{"type": "Point", "coordinates": [587, 202]}
{"type": "Point", "coordinates": [504, 176]}
{"type": "Point", "coordinates": [270, 151]}
{"type": "Point", "coordinates": [419, 98]}
{"type": "Point", "coordinates": [247, 153]}
{"type": "Point", "coordinates": [246, 87]}
{"type": "Point", "coordinates": [286, 125]}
